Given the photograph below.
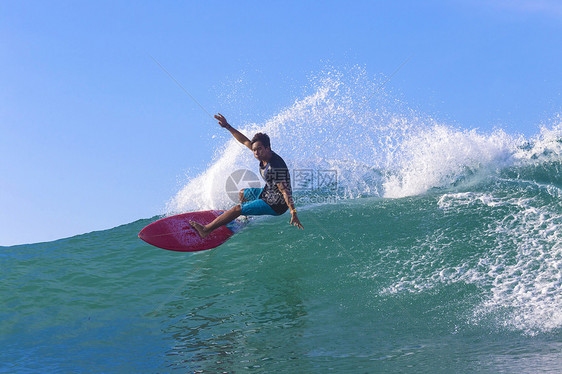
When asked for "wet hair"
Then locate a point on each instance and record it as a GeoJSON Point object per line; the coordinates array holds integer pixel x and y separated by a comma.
{"type": "Point", "coordinates": [263, 138]}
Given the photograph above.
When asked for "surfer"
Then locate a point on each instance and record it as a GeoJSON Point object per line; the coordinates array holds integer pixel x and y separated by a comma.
{"type": "Point", "coordinates": [274, 199]}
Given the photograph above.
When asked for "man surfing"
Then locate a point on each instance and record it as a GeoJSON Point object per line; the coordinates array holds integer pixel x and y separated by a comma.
{"type": "Point", "coordinates": [274, 199]}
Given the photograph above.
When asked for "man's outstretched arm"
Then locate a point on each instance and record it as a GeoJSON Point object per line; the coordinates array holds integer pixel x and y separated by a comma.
{"type": "Point", "coordinates": [237, 134]}
{"type": "Point", "coordinates": [289, 201]}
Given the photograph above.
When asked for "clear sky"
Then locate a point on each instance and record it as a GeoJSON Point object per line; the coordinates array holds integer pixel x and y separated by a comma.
{"type": "Point", "coordinates": [94, 134]}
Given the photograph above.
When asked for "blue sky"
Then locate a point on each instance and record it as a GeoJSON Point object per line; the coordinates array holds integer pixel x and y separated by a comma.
{"type": "Point", "coordinates": [94, 134]}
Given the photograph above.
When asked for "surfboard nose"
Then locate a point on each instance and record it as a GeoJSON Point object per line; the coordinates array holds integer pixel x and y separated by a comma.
{"type": "Point", "coordinates": [141, 235]}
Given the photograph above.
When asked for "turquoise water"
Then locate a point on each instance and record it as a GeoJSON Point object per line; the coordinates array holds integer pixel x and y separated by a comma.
{"type": "Point", "coordinates": [448, 281]}
{"type": "Point", "coordinates": [439, 250]}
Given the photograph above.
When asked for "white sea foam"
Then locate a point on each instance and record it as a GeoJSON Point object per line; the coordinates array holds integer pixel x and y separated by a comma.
{"type": "Point", "coordinates": [545, 146]}
{"type": "Point", "coordinates": [520, 274]}
{"type": "Point", "coordinates": [440, 156]}
{"type": "Point", "coordinates": [528, 282]}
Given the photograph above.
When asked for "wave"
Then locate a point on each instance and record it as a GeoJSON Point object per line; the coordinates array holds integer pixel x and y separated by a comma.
{"type": "Point", "coordinates": [375, 146]}
{"type": "Point", "coordinates": [497, 194]}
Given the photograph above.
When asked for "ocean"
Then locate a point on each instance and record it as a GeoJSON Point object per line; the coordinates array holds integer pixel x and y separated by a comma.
{"type": "Point", "coordinates": [427, 248]}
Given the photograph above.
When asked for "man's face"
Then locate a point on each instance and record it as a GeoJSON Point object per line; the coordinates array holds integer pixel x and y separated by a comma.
{"type": "Point", "coordinates": [260, 152]}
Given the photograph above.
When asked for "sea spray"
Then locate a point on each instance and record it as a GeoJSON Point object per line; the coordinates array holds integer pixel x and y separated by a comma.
{"type": "Point", "coordinates": [441, 156]}
{"type": "Point", "coordinates": [375, 144]}
{"type": "Point", "coordinates": [348, 124]}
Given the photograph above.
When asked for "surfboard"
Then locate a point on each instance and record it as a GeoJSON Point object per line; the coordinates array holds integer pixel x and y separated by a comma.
{"type": "Point", "coordinates": [174, 233]}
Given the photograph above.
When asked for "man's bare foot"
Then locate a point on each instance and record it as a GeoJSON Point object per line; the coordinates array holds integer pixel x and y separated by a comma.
{"type": "Point", "coordinates": [199, 228]}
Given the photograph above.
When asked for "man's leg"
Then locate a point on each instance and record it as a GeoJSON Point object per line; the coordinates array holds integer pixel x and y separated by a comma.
{"type": "Point", "coordinates": [227, 217]}
{"type": "Point", "coordinates": [241, 196]}
{"type": "Point", "coordinates": [249, 194]}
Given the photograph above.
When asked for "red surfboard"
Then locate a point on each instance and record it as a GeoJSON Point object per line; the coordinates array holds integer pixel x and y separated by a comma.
{"type": "Point", "coordinates": [176, 234]}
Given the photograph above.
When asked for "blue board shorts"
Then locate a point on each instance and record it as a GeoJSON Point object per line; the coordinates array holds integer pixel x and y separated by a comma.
{"type": "Point", "coordinates": [254, 206]}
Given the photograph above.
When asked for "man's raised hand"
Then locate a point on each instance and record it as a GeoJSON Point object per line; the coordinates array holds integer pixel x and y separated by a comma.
{"type": "Point", "coordinates": [222, 120]}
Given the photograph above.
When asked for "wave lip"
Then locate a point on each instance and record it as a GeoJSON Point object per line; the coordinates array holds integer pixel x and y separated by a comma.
{"type": "Point", "coordinates": [440, 157]}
